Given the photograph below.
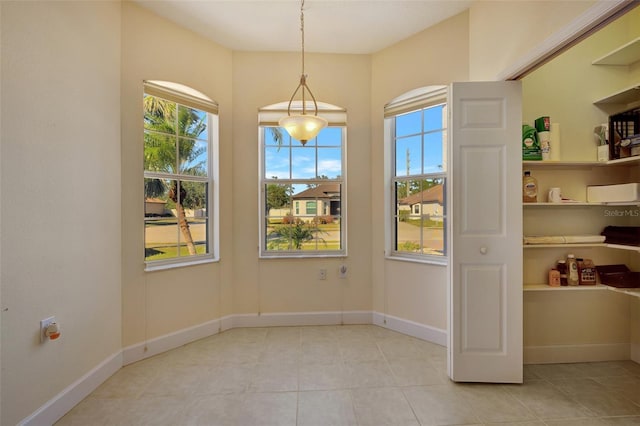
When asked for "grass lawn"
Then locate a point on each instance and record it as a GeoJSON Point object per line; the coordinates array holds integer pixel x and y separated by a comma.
{"type": "Point", "coordinates": [168, 252]}
{"type": "Point", "coordinates": [428, 223]}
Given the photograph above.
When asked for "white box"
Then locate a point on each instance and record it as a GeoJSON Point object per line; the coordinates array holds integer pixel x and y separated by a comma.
{"type": "Point", "coordinates": [613, 193]}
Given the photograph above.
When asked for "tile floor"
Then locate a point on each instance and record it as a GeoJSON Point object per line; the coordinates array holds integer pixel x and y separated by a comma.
{"type": "Point", "coordinates": [347, 375]}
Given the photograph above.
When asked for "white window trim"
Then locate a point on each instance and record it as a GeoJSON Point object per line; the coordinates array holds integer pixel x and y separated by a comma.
{"type": "Point", "coordinates": [185, 96]}
{"type": "Point", "coordinates": [268, 116]}
{"type": "Point", "coordinates": [410, 101]}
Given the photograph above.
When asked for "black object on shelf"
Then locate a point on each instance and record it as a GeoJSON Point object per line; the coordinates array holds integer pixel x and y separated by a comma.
{"type": "Point", "coordinates": [618, 276]}
{"type": "Point", "coordinates": [623, 235]}
{"type": "Point", "coordinates": [622, 128]}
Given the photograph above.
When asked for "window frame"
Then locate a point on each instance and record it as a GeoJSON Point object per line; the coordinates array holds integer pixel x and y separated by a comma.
{"type": "Point", "coordinates": [412, 101]}
{"type": "Point", "coordinates": [190, 98]}
{"type": "Point", "coordinates": [268, 117]}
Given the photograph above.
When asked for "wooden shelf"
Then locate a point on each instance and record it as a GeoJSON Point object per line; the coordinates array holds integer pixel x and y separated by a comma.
{"type": "Point", "coordinates": [623, 247]}
{"type": "Point", "coordinates": [592, 245]}
{"type": "Point", "coordinates": [583, 204]}
{"type": "Point", "coordinates": [624, 55]}
{"type": "Point", "coordinates": [535, 246]}
{"type": "Point", "coordinates": [634, 292]}
{"type": "Point", "coordinates": [629, 161]}
{"type": "Point", "coordinates": [545, 287]}
{"type": "Point", "coordinates": [625, 96]}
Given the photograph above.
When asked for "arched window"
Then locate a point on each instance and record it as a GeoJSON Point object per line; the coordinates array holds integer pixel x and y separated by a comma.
{"type": "Point", "coordinates": [180, 176]}
{"type": "Point", "coordinates": [416, 148]}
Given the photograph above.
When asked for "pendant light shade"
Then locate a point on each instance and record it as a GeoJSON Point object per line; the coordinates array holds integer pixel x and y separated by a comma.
{"type": "Point", "coordinates": [303, 126]}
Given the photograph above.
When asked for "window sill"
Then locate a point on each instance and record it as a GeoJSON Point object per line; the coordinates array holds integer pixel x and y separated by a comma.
{"type": "Point", "coordinates": [426, 261]}
{"type": "Point", "coordinates": [152, 267]}
{"type": "Point", "coordinates": [303, 256]}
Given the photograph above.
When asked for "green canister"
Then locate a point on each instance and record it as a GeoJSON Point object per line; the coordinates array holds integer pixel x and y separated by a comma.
{"type": "Point", "coordinates": [530, 144]}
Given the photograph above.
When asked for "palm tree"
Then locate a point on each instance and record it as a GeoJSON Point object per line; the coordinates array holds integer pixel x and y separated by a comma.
{"type": "Point", "coordinates": [294, 235]}
{"type": "Point", "coordinates": [167, 124]}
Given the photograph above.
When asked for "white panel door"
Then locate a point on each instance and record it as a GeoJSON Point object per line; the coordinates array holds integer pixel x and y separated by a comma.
{"type": "Point", "coordinates": [485, 232]}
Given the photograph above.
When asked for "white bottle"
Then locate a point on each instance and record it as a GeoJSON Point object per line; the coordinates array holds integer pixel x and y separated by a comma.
{"type": "Point", "coordinates": [572, 270]}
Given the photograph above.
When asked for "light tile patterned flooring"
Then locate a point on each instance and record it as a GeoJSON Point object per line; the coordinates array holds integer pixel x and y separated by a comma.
{"type": "Point", "coordinates": [347, 375]}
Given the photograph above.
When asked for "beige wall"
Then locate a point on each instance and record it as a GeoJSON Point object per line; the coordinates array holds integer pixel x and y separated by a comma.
{"type": "Point", "coordinates": [501, 32]}
{"type": "Point", "coordinates": [291, 285]}
{"type": "Point", "coordinates": [61, 196]}
{"type": "Point", "coordinates": [67, 55]}
{"type": "Point", "coordinates": [411, 291]}
{"type": "Point", "coordinates": [161, 302]}
{"type": "Point", "coordinates": [1, 301]}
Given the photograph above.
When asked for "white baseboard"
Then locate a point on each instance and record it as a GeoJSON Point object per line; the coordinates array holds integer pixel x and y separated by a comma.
{"type": "Point", "coordinates": [226, 323]}
{"type": "Point", "coordinates": [301, 318]}
{"type": "Point", "coordinates": [576, 353]}
{"type": "Point", "coordinates": [635, 352]}
{"type": "Point", "coordinates": [58, 406]}
{"type": "Point", "coordinates": [161, 344]}
{"type": "Point", "coordinates": [421, 331]}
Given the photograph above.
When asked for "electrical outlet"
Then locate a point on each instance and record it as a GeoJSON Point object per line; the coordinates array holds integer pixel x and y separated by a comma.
{"type": "Point", "coordinates": [43, 327]}
{"type": "Point", "coordinates": [342, 271]}
{"type": "Point", "coordinates": [322, 274]}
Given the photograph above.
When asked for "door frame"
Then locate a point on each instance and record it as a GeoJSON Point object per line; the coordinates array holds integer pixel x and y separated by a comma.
{"type": "Point", "coordinates": [593, 19]}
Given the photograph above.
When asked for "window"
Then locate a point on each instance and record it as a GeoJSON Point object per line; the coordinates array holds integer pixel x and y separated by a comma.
{"type": "Point", "coordinates": [312, 207]}
{"type": "Point", "coordinates": [302, 188]}
{"type": "Point", "coordinates": [180, 164]}
{"type": "Point", "coordinates": [416, 139]}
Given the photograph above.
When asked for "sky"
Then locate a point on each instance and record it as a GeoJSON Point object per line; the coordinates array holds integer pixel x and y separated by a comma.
{"type": "Point", "coordinates": [409, 137]}
{"type": "Point", "coordinates": [322, 156]}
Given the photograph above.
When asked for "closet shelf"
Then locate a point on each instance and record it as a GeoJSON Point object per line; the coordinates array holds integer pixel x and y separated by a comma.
{"type": "Point", "coordinates": [634, 292]}
{"type": "Point", "coordinates": [583, 204]}
{"type": "Point", "coordinates": [613, 246]}
{"type": "Point", "coordinates": [627, 96]}
{"type": "Point", "coordinates": [629, 161]}
{"type": "Point", "coordinates": [545, 287]}
{"type": "Point", "coordinates": [532, 246]}
{"type": "Point", "coordinates": [623, 55]}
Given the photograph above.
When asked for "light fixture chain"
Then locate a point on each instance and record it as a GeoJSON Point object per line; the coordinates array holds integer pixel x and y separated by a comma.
{"type": "Point", "coordinates": [302, 31]}
{"type": "Point", "coordinates": [303, 127]}
{"type": "Point", "coordinates": [303, 77]}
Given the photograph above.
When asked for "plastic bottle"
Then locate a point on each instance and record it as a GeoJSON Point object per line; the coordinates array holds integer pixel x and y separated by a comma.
{"type": "Point", "coordinates": [529, 188]}
{"type": "Point", "coordinates": [573, 278]}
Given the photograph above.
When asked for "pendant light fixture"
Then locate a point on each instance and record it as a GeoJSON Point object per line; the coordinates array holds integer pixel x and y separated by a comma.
{"type": "Point", "coordinates": [303, 126]}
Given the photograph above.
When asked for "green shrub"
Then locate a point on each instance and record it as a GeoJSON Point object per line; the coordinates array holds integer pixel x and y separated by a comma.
{"type": "Point", "coordinates": [410, 246]}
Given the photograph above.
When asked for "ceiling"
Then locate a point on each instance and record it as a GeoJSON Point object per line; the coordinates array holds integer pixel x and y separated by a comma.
{"type": "Point", "coordinates": [331, 26]}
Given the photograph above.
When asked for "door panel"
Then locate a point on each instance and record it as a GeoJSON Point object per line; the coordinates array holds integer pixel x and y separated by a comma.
{"type": "Point", "coordinates": [483, 288]}
{"type": "Point", "coordinates": [485, 233]}
{"type": "Point", "coordinates": [486, 162]}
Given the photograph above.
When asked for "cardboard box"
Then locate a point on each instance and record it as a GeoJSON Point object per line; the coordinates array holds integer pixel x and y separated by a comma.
{"type": "Point", "coordinates": [613, 193]}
